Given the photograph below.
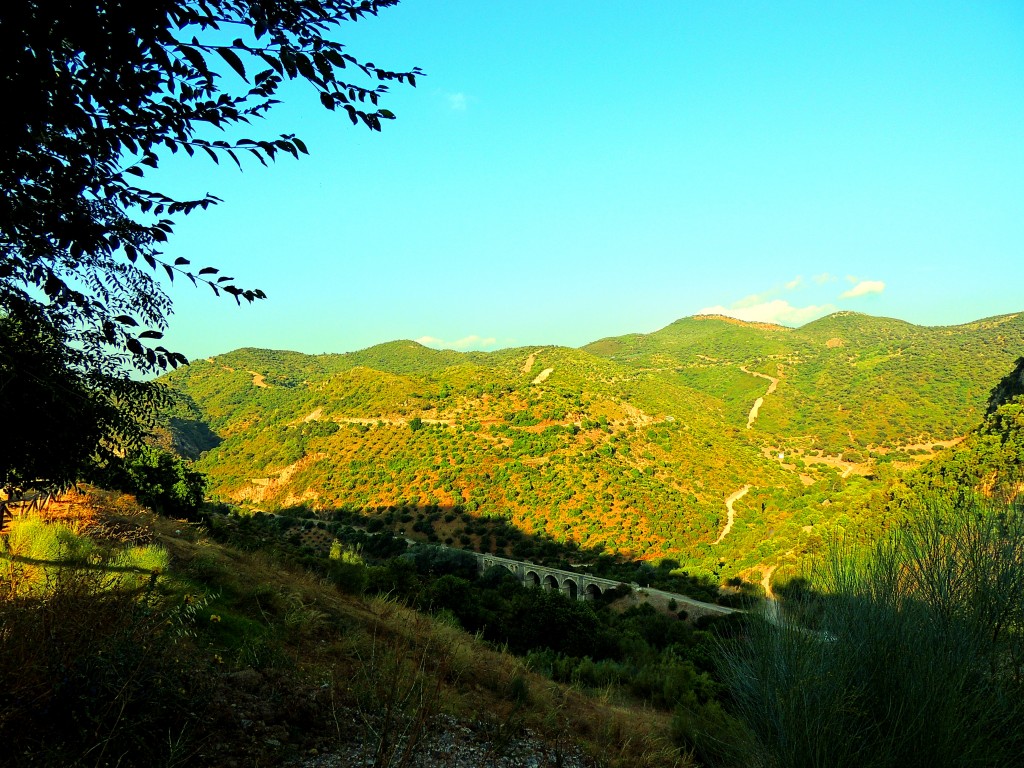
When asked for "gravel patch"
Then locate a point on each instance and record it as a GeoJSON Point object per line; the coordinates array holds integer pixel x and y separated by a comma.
{"type": "Point", "coordinates": [455, 744]}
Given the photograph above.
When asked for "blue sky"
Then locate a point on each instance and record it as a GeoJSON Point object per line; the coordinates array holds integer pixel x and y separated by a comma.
{"type": "Point", "coordinates": [571, 170]}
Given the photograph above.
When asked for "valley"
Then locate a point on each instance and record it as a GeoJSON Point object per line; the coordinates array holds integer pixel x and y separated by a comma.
{"type": "Point", "coordinates": [631, 446]}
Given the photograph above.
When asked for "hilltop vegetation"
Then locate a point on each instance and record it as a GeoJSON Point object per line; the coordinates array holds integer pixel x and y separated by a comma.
{"type": "Point", "coordinates": [850, 381]}
{"type": "Point", "coordinates": [628, 445]}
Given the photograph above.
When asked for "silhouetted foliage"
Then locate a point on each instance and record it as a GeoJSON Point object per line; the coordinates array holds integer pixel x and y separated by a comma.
{"type": "Point", "coordinates": [113, 86]}
{"type": "Point", "coordinates": [1009, 387]}
{"type": "Point", "coordinates": [159, 480]}
{"type": "Point", "coordinates": [61, 419]}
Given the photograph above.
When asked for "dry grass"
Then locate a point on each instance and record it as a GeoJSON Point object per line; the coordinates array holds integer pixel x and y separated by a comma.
{"type": "Point", "coordinates": [289, 651]}
{"type": "Point", "coordinates": [475, 681]}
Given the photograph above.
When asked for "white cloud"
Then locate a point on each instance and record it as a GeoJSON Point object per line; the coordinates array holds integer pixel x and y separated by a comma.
{"type": "Point", "coordinates": [472, 341]}
{"type": "Point", "coordinates": [777, 311]}
{"type": "Point", "coordinates": [863, 288]}
{"type": "Point", "coordinates": [754, 300]}
{"type": "Point", "coordinates": [823, 278]}
{"type": "Point", "coordinates": [762, 298]}
{"type": "Point", "coordinates": [475, 341]}
{"type": "Point", "coordinates": [456, 101]}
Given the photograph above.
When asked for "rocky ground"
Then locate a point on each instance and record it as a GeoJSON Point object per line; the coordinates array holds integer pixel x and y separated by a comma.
{"type": "Point", "coordinates": [449, 743]}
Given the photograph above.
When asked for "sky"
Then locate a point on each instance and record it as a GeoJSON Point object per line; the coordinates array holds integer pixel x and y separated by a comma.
{"type": "Point", "coordinates": [567, 171]}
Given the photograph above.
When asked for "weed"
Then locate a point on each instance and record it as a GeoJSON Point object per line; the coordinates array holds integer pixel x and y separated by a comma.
{"type": "Point", "coordinates": [917, 660]}
{"type": "Point", "coordinates": [397, 688]}
{"type": "Point", "coordinates": [89, 673]}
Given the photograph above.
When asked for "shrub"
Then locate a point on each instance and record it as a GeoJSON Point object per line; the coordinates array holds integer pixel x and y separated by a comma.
{"type": "Point", "coordinates": [95, 675]}
{"type": "Point", "coordinates": [917, 659]}
{"type": "Point", "coordinates": [159, 480]}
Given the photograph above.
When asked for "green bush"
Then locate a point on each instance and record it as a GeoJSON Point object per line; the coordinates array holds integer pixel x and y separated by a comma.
{"type": "Point", "coordinates": [709, 733]}
{"type": "Point", "coordinates": [93, 675]}
{"type": "Point", "coordinates": [160, 480]}
{"type": "Point", "coordinates": [917, 658]}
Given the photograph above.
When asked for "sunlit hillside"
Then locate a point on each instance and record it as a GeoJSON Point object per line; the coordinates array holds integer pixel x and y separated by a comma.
{"type": "Point", "coordinates": [631, 445]}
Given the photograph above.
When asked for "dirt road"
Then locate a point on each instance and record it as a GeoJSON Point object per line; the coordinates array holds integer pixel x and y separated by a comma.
{"type": "Point", "coordinates": [752, 416]}
{"type": "Point", "coordinates": [732, 514]}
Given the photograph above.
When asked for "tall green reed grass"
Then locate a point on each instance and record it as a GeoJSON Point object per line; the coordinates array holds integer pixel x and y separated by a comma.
{"type": "Point", "coordinates": [916, 657]}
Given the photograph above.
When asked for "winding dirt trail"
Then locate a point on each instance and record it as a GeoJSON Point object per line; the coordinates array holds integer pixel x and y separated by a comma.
{"type": "Point", "coordinates": [258, 379]}
{"type": "Point", "coordinates": [766, 581]}
{"type": "Point", "coordinates": [540, 378]}
{"type": "Point", "coordinates": [732, 514]}
{"type": "Point", "coordinates": [752, 416]}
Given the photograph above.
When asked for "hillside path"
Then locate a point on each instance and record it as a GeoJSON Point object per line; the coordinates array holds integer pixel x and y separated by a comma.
{"type": "Point", "coordinates": [766, 581]}
{"type": "Point", "coordinates": [258, 379]}
{"type": "Point", "coordinates": [692, 602]}
{"type": "Point", "coordinates": [732, 514]}
{"type": "Point", "coordinates": [539, 379]}
{"type": "Point", "coordinates": [752, 416]}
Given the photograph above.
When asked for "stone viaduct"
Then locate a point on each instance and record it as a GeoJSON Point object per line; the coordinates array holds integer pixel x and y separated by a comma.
{"type": "Point", "coordinates": [581, 586]}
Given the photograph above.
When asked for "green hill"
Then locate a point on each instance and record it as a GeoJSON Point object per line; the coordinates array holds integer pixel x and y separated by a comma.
{"type": "Point", "coordinates": [990, 460]}
{"type": "Point", "coordinates": [631, 444]}
{"type": "Point", "coordinates": [848, 382]}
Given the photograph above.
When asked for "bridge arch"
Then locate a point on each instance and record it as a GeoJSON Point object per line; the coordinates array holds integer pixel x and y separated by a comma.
{"type": "Point", "coordinates": [570, 588]}
{"type": "Point", "coordinates": [579, 586]}
{"type": "Point", "coordinates": [497, 571]}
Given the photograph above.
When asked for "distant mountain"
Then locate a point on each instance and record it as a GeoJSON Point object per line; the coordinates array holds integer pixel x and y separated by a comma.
{"type": "Point", "coordinates": [631, 444]}
{"type": "Point", "coordinates": [847, 381]}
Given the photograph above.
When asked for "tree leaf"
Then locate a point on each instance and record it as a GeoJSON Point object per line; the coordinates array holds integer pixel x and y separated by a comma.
{"type": "Point", "coordinates": [195, 58]}
{"type": "Point", "coordinates": [233, 61]}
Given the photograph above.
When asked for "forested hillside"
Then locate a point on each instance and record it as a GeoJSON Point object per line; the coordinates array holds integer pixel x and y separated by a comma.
{"type": "Point", "coordinates": [847, 381]}
{"type": "Point", "coordinates": [629, 445]}
{"type": "Point", "coordinates": [988, 463]}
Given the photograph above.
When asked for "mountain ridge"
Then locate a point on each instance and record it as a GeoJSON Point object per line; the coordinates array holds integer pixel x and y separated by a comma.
{"type": "Point", "coordinates": [630, 444]}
